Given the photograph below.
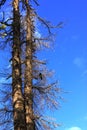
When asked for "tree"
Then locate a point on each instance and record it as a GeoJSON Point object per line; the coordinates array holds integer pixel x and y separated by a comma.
{"type": "Point", "coordinates": [31, 87]}
{"type": "Point", "coordinates": [17, 96]}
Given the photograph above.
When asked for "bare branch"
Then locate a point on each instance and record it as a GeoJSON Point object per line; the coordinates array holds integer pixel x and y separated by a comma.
{"type": "Point", "coordinates": [2, 2]}
{"type": "Point", "coordinates": [35, 1]}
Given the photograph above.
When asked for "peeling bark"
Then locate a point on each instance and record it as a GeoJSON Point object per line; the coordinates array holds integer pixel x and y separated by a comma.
{"type": "Point", "coordinates": [28, 75]}
{"type": "Point", "coordinates": [18, 102]}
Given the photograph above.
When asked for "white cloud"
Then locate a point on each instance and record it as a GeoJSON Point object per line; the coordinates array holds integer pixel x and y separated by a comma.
{"type": "Point", "coordinates": [74, 128]}
{"type": "Point", "coordinates": [75, 37]}
{"type": "Point", "coordinates": [9, 66]}
{"type": "Point", "coordinates": [37, 34]}
{"type": "Point", "coordinates": [80, 62]}
{"type": "Point", "coordinates": [85, 118]}
{"type": "Point", "coordinates": [2, 80]}
{"type": "Point", "coordinates": [84, 73]}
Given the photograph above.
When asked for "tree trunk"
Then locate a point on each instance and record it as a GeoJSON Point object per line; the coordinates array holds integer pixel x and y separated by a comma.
{"type": "Point", "coordinates": [18, 103]}
{"type": "Point", "coordinates": [28, 74]}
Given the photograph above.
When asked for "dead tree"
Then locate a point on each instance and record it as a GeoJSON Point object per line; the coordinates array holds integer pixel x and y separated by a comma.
{"type": "Point", "coordinates": [28, 89]}
{"type": "Point", "coordinates": [17, 96]}
{"type": "Point", "coordinates": [31, 91]}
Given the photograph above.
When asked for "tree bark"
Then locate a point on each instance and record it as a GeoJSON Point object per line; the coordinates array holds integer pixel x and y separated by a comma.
{"type": "Point", "coordinates": [17, 97]}
{"type": "Point", "coordinates": [28, 74]}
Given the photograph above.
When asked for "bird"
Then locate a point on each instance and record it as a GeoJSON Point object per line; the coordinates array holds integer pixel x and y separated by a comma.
{"type": "Point", "coordinates": [40, 75]}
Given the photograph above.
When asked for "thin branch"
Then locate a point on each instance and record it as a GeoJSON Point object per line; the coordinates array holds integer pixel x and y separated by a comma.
{"type": "Point", "coordinates": [35, 1]}
{"type": "Point", "coordinates": [2, 2]}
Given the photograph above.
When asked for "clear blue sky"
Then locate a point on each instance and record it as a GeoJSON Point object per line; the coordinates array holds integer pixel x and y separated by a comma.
{"type": "Point", "coordinates": [69, 59]}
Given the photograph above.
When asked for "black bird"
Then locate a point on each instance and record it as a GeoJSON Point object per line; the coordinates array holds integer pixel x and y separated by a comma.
{"type": "Point", "coordinates": [40, 75]}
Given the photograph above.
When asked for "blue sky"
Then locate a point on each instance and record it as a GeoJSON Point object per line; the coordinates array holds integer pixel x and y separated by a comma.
{"type": "Point", "coordinates": [69, 59]}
